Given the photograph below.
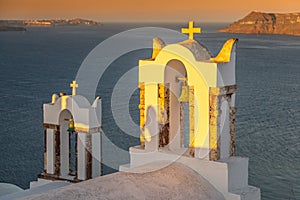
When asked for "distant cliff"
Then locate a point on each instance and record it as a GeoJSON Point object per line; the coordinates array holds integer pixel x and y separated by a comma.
{"type": "Point", "coordinates": [19, 25]}
{"type": "Point", "coordinates": [266, 23]}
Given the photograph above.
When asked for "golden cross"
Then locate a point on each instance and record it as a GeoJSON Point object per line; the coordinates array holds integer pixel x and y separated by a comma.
{"type": "Point", "coordinates": [73, 85]}
{"type": "Point", "coordinates": [191, 30]}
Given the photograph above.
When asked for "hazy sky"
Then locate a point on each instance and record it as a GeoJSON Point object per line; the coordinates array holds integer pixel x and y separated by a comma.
{"type": "Point", "coordinates": [142, 10]}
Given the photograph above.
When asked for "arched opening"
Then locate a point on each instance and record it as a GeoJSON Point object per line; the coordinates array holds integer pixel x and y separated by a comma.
{"type": "Point", "coordinates": [225, 131]}
{"type": "Point", "coordinates": [175, 131]}
{"type": "Point", "coordinates": [68, 146]}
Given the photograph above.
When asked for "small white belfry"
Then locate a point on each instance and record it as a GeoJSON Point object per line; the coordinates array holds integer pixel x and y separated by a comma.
{"type": "Point", "coordinates": [72, 137]}
{"type": "Point", "coordinates": [187, 113]}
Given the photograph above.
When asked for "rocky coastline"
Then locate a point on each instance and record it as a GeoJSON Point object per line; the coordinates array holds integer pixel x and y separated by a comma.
{"type": "Point", "coordinates": [266, 23]}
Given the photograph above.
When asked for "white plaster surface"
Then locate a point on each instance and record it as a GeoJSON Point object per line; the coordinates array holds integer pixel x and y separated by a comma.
{"type": "Point", "coordinates": [173, 182]}
{"type": "Point", "coordinates": [225, 131]}
{"type": "Point", "coordinates": [41, 187]}
{"type": "Point", "coordinates": [229, 176]}
{"type": "Point", "coordinates": [85, 115]}
{"type": "Point", "coordinates": [237, 172]}
{"type": "Point", "coordinates": [97, 105]}
{"type": "Point", "coordinates": [64, 150]}
{"type": "Point", "coordinates": [50, 151]}
{"type": "Point", "coordinates": [96, 155]}
{"type": "Point", "coordinates": [81, 160]}
{"type": "Point", "coordinates": [7, 188]}
{"type": "Point", "coordinates": [199, 51]}
{"type": "Point", "coordinates": [233, 96]}
{"type": "Point", "coordinates": [39, 182]}
{"type": "Point", "coordinates": [151, 125]}
{"type": "Point", "coordinates": [202, 153]}
{"type": "Point", "coordinates": [226, 71]}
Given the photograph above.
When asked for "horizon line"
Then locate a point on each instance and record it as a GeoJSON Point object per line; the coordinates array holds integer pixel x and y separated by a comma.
{"type": "Point", "coordinates": [116, 21]}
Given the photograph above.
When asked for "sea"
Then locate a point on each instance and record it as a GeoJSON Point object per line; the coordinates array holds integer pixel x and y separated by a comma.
{"type": "Point", "coordinates": [44, 60]}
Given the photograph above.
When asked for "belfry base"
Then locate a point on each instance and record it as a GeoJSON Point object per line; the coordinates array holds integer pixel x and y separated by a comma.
{"type": "Point", "coordinates": [229, 176]}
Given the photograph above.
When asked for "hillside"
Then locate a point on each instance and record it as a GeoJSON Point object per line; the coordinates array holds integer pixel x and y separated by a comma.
{"type": "Point", "coordinates": [266, 23]}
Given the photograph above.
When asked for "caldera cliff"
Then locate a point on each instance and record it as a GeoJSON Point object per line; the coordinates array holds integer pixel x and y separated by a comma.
{"type": "Point", "coordinates": [266, 23]}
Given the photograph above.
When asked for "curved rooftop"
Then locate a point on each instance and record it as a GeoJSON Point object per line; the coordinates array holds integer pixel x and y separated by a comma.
{"type": "Point", "coordinates": [7, 188]}
{"type": "Point", "coordinates": [199, 51]}
{"type": "Point", "coordinates": [175, 181]}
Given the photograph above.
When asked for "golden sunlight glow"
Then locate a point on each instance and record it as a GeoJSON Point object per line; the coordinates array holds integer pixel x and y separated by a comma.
{"type": "Point", "coordinates": [225, 53]}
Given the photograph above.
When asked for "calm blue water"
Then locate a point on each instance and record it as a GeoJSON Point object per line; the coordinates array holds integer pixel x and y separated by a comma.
{"type": "Point", "coordinates": [41, 61]}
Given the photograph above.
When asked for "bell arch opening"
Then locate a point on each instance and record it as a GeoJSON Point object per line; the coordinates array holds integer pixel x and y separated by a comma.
{"type": "Point", "coordinates": [174, 128]}
{"type": "Point", "coordinates": [68, 145]}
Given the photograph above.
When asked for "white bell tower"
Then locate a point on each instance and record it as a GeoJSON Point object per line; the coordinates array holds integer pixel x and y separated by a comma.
{"type": "Point", "coordinates": [72, 137]}
{"type": "Point", "coordinates": [187, 114]}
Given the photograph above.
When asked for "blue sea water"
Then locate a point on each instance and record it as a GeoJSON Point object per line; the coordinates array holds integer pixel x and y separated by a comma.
{"type": "Point", "coordinates": [41, 61]}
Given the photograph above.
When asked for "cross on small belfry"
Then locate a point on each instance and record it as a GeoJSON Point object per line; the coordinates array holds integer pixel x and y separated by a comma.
{"type": "Point", "coordinates": [191, 30]}
{"type": "Point", "coordinates": [74, 85]}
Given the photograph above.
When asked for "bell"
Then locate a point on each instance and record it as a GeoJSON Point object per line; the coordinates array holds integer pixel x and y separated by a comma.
{"type": "Point", "coordinates": [71, 126]}
{"type": "Point", "coordinates": [184, 97]}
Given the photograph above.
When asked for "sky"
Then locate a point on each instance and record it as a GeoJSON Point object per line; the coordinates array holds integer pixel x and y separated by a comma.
{"type": "Point", "coordinates": [143, 10]}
